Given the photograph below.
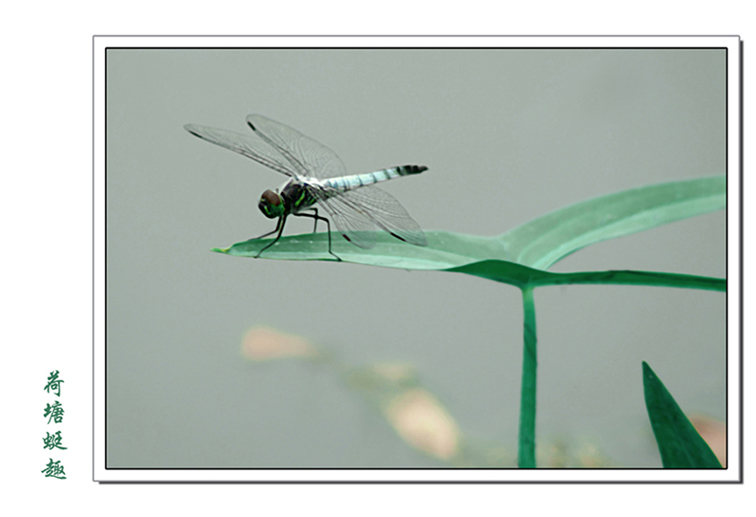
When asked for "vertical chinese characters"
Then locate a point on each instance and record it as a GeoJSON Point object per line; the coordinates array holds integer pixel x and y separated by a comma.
{"type": "Point", "coordinates": [54, 414]}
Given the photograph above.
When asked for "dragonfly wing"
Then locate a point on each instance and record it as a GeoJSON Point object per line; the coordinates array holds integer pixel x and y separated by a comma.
{"type": "Point", "coordinates": [387, 213]}
{"type": "Point", "coordinates": [377, 206]}
{"type": "Point", "coordinates": [249, 146]}
{"type": "Point", "coordinates": [305, 155]}
{"type": "Point", "coordinates": [353, 223]}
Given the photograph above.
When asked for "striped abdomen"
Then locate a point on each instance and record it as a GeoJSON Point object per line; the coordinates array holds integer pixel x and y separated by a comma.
{"type": "Point", "coordinates": [354, 181]}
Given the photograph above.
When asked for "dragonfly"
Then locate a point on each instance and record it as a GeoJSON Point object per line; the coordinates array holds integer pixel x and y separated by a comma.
{"type": "Point", "coordinates": [318, 178]}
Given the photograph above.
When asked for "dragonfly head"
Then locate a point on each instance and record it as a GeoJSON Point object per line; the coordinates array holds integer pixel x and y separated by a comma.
{"type": "Point", "coordinates": [271, 204]}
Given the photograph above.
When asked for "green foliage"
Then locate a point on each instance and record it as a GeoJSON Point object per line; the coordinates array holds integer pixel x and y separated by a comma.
{"type": "Point", "coordinates": [679, 443]}
{"type": "Point", "coordinates": [544, 241]}
{"type": "Point", "coordinates": [537, 244]}
{"type": "Point", "coordinates": [521, 257]}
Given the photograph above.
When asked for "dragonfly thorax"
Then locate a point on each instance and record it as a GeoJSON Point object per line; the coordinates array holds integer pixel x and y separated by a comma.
{"type": "Point", "coordinates": [271, 204]}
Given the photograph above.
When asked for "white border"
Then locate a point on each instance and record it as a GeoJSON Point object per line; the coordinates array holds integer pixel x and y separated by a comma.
{"type": "Point", "coordinates": [731, 474]}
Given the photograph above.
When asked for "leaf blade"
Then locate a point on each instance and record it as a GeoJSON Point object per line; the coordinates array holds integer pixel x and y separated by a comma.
{"type": "Point", "coordinates": [545, 240]}
{"type": "Point", "coordinates": [521, 255]}
{"type": "Point", "coordinates": [679, 443]}
{"type": "Point", "coordinates": [444, 250]}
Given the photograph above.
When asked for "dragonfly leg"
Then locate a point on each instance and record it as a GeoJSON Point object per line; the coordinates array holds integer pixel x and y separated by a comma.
{"type": "Point", "coordinates": [315, 228]}
{"type": "Point", "coordinates": [279, 229]}
{"type": "Point", "coordinates": [328, 223]}
{"type": "Point", "coordinates": [269, 233]}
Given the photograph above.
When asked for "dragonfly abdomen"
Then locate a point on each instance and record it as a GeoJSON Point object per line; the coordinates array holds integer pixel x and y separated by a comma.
{"type": "Point", "coordinates": [354, 181]}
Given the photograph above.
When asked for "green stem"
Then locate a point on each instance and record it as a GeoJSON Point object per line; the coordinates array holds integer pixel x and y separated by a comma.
{"type": "Point", "coordinates": [650, 278]}
{"type": "Point", "coordinates": [524, 276]}
{"type": "Point", "coordinates": [526, 448]}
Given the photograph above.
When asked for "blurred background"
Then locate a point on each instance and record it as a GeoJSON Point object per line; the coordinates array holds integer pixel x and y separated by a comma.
{"type": "Point", "coordinates": [382, 367]}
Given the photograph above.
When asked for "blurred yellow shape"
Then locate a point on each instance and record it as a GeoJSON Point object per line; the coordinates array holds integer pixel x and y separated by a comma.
{"type": "Point", "coordinates": [589, 456]}
{"type": "Point", "coordinates": [395, 372]}
{"type": "Point", "coordinates": [264, 343]}
{"type": "Point", "coordinates": [418, 417]}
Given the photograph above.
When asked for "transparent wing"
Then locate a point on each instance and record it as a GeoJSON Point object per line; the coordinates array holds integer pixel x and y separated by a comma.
{"type": "Point", "coordinates": [354, 224]}
{"type": "Point", "coordinates": [305, 155]}
{"type": "Point", "coordinates": [247, 145]}
{"type": "Point", "coordinates": [362, 209]}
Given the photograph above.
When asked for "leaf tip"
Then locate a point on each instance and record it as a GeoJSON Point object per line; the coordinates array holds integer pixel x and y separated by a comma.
{"type": "Point", "coordinates": [648, 374]}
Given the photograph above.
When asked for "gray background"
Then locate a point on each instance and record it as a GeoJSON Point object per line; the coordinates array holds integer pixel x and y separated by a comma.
{"type": "Point", "coordinates": [508, 135]}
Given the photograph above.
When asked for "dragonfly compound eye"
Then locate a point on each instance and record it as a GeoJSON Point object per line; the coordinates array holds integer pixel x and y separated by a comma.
{"type": "Point", "coordinates": [270, 204]}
